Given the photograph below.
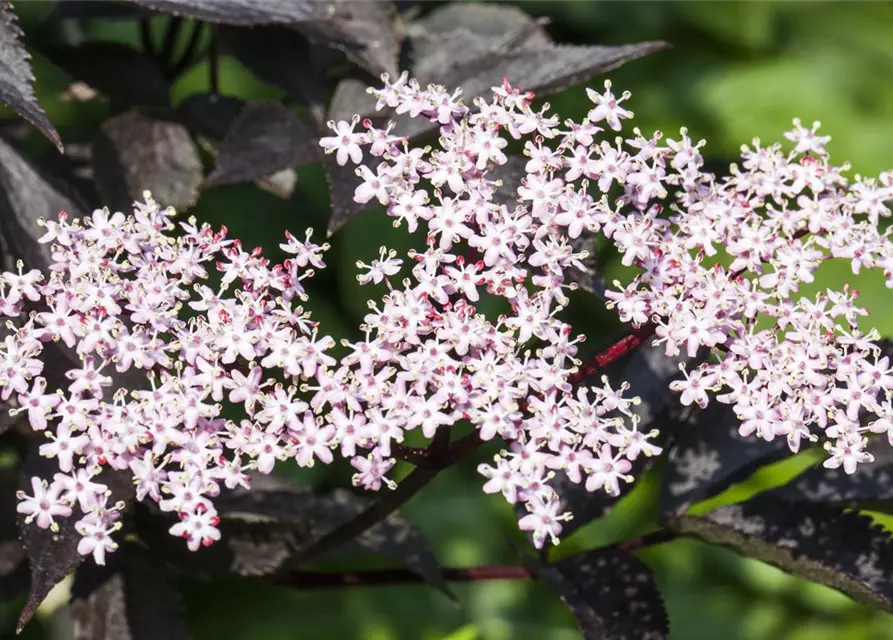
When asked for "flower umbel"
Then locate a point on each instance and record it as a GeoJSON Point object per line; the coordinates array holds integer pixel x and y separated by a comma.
{"type": "Point", "coordinates": [162, 352]}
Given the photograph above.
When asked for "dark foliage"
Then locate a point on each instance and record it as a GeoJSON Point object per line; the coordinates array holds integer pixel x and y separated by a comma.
{"type": "Point", "coordinates": [128, 599]}
{"type": "Point", "coordinates": [611, 593]}
{"type": "Point", "coordinates": [266, 137]}
{"type": "Point", "coordinates": [16, 76]}
{"type": "Point", "coordinates": [708, 454]}
{"type": "Point", "coordinates": [267, 529]}
{"type": "Point", "coordinates": [323, 55]}
{"type": "Point", "coordinates": [134, 152]}
{"type": "Point", "coordinates": [824, 544]}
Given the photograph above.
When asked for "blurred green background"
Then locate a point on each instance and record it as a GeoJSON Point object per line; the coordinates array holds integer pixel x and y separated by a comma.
{"type": "Point", "coordinates": [736, 70]}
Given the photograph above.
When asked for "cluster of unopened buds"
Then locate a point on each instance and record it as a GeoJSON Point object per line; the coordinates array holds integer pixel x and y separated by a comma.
{"type": "Point", "coordinates": [720, 264]}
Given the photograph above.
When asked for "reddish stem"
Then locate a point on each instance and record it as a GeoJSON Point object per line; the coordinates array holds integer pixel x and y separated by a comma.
{"type": "Point", "coordinates": [613, 353]}
{"type": "Point", "coordinates": [423, 457]}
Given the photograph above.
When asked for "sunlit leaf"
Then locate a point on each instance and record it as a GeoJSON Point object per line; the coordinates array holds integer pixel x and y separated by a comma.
{"type": "Point", "coordinates": [708, 454]}
{"type": "Point", "coordinates": [837, 548]}
{"type": "Point", "coordinates": [135, 152]}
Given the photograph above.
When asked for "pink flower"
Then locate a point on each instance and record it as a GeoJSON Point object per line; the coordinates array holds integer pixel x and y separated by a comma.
{"type": "Point", "coordinates": [43, 505]}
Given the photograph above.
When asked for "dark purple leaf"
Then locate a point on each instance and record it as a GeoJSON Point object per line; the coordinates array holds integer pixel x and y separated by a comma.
{"type": "Point", "coordinates": [135, 152]}
{"type": "Point", "coordinates": [281, 184]}
{"type": "Point", "coordinates": [128, 599]}
{"type": "Point", "coordinates": [16, 76]}
{"type": "Point", "coordinates": [510, 175]}
{"type": "Point", "coordinates": [90, 9]}
{"type": "Point", "coordinates": [74, 170]}
{"type": "Point", "coordinates": [265, 138]}
{"type": "Point", "coordinates": [13, 564]}
{"type": "Point", "coordinates": [26, 195]}
{"type": "Point", "coordinates": [708, 454]}
{"type": "Point", "coordinates": [98, 606]}
{"type": "Point", "coordinates": [244, 12]}
{"type": "Point", "coordinates": [115, 70]}
{"type": "Point", "coordinates": [351, 98]}
{"type": "Point", "coordinates": [53, 555]}
{"type": "Point", "coordinates": [489, 21]}
{"type": "Point", "coordinates": [343, 182]}
{"type": "Point", "coordinates": [611, 593]}
{"type": "Point", "coordinates": [448, 37]}
{"type": "Point", "coordinates": [367, 31]}
{"type": "Point", "coordinates": [455, 35]}
{"type": "Point", "coordinates": [649, 372]}
{"type": "Point", "coordinates": [545, 70]}
{"type": "Point", "coordinates": [541, 70]}
{"type": "Point", "coordinates": [209, 114]}
{"type": "Point", "coordinates": [836, 548]}
{"type": "Point", "coordinates": [870, 487]}
{"type": "Point", "coordinates": [279, 56]}
{"type": "Point", "coordinates": [264, 530]}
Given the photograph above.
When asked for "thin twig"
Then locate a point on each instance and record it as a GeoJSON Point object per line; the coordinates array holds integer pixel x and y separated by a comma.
{"type": "Point", "coordinates": [421, 456]}
{"type": "Point", "coordinates": [187, 58]}
{"type": "Point", "coordinates": [378, 577]}
{"type": "Point", "coordinates": [441, 455]}
{"type": "Point", "coordinates": [146, 38]}
{"type": "Point", "coordinates": [376, 512]}
{"type": "Point", "coordinates": [648, 540]}
{"type": "Point", "coordinates": [166, 56]}
{"type": "Point", "coordinates": [213, 64]}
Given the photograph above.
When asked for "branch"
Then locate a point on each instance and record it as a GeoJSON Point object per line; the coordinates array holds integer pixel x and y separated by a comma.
{"type": "Point", "coordinates": [146, 38]}
{"type": "Point", "coordinates": [376, 512]}
{"type": "Point", "coordinates": [422, 457]}
{"type": "Point", "coordinates": [213, 64]}
{"type": "Point", "coordinates": [633, 340]}
{"type": "Point", "coordinates": [648, 540]}
{"type": "Point", "coordinates": [322, 579]}
{"type": "Point", "coordinates": [377, 577]}
{"type": "Point", "coordinates": [441, 455]}
{"type": "Point", "coordinates": [613, 353]}
{"type": "Point", "coordinates": [166, 54]}
{"type": "Point", "coordinates": [187, 57]}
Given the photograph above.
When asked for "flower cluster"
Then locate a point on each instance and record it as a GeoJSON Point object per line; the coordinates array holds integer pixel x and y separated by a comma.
{"type": "Point", "coordinates": [133, 294]}
{"type": "Point", "coordinates": [133, 305]}
{"type": "Point", "coordinates": [721, 261]}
